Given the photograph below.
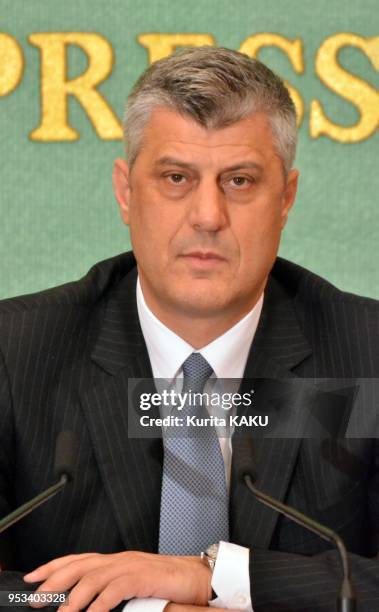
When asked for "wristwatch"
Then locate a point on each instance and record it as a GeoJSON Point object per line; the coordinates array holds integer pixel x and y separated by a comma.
{"type": "Point", "coordinates": [209, 557]}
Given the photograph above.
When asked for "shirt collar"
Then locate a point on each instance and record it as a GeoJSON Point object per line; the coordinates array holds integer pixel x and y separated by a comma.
{"type": "Point", "coordinates": [227, 354]}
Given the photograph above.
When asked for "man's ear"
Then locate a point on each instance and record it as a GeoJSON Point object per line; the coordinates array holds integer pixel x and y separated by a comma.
{"type": "Point", "coordinates": [289, 194]}
{"type": "Point", "coordinates": [121, 188]}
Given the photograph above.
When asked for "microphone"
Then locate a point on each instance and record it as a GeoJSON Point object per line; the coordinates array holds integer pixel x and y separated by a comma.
{"type": "Point", "coordinates": [246, 473]}
{"type": "Point", "coordinates": [66, 454]}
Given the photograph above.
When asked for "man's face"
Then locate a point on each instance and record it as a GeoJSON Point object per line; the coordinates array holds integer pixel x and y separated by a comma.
{"type": "Point", "coordinates": [205, 210]}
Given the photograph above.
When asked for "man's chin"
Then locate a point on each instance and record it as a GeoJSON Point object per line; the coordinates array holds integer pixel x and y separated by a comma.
{"type": "Point", "coordinates": [204, 303]}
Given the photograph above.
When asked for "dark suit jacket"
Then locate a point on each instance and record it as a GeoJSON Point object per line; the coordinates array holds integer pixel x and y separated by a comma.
{"type": "Point", "coordinates": [66, 356]}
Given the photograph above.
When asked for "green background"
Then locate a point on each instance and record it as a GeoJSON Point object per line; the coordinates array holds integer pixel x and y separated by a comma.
{"type": "Point", "coordinates": [58, 213]}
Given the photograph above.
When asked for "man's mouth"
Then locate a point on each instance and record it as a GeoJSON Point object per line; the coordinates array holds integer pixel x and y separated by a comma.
{"type": "Point", "coordinates": [204, 255]}
{"type": "Point", "coordinates": [203, 260]}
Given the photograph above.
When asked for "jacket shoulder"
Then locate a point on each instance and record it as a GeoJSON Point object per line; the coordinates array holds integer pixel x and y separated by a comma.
{"type": "Point", "coordinates": [308, 287]}
{"type": "Point", "coordinates": [51, 330]}
{"type": "Point", "coordinates": [341, 328]}
{"type": "Point", "coordinates": [85, 292]}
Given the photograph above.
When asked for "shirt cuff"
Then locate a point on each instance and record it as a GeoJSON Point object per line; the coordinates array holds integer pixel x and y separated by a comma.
{"type": "Point", "coordinates": [231, 578]}
{"type": "Point", "coordinates": [148, 604]}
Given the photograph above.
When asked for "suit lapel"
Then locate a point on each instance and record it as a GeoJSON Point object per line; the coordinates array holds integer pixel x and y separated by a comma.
{"type": "Point", "coordinates": [278, 347]}
{"type": "Point", "coordinates": [130, 468]}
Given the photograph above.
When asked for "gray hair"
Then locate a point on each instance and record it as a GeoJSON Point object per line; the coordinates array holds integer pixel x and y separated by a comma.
{"type": "Point", "coordinates": [216, 87]}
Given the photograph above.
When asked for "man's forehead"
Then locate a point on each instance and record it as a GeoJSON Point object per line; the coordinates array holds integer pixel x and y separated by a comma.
{"type": "Point", "coordinates": [169, 134]}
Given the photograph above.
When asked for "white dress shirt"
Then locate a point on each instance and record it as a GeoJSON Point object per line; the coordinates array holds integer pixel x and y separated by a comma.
{"type": "Point", "coordinates": [227, 355]}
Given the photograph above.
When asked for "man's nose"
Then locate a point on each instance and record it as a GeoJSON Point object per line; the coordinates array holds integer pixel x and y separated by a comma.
{"type": "Point", "coordinates": [208, 209]}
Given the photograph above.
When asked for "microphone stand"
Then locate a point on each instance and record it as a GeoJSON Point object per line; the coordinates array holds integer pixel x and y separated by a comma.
{"type": "Point", "coordinates": [346, 600]}
{"type": "Point", "coordinates": [26, 508]}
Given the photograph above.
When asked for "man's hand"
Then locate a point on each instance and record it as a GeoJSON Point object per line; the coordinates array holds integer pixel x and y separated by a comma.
{"type": "Point", "coordinates": [109, 579]}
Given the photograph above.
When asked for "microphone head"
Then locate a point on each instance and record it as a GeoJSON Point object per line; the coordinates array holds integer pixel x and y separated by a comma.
{"type": "Point", "coordinates": [66, 454]}
{"type": "Point", "coordinates": [243, 454]}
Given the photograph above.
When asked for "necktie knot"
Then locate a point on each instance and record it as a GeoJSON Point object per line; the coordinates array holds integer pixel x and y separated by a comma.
{"type": "Point", "coordinates": [196, 371]}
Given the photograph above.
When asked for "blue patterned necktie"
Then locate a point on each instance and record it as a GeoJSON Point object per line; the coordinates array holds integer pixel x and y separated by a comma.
{"type": "Point", "coordinates": [194, 500]}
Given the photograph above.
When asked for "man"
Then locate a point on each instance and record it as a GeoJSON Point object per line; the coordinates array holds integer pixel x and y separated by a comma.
{"type": "Point", "coordinates": [206, 191]}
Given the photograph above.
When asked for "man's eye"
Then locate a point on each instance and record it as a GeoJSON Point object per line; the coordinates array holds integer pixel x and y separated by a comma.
{"type": "Point", "coordinates": [239, 181]}
{"type": "Point", "coordinates": [176, 178]}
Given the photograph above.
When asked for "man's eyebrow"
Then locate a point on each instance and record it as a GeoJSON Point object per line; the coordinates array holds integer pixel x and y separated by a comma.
{"type": "Point", "coordinates": [172, 161]}
{"type": "Point", "coordinates": [242, 165]}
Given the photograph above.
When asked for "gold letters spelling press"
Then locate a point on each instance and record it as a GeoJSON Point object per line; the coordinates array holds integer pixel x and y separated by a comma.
{"type": "Point", "coordinates": [56, 87]}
